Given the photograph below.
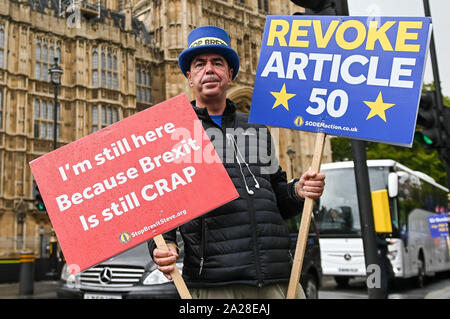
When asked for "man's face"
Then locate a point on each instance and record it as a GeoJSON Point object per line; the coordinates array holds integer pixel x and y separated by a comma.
{"type": "Point", "coordinates": [209, 75]}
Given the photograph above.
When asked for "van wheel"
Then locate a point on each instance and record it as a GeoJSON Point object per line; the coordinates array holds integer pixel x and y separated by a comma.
{"type": "Point", "coordinates": [342, 281]}
{"type": "Point", "coordinates": [310, 286]}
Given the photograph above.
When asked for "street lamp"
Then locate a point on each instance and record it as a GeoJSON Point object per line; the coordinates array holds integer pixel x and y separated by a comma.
{"type": "Point", "coordinates": [55, 77]}
{"type": "Point", "coordinates": [291, 153]}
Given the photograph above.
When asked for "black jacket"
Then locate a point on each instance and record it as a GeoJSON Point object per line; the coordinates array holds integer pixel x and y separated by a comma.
{"type": "Point", "coordinates": [246, 240]}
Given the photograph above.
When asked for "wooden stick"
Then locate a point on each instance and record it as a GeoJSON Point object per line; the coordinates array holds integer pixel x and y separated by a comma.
{"type": "Point", "coordinates": [304, 225]}
{"type": "Point", "coordinates": [448, 244]}
{"type": "Point", "coordinates": [176, 276]}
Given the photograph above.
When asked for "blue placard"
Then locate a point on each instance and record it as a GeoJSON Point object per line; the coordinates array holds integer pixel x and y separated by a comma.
{"type": "Point", "coordinates": [359, 77]}
{"type": "Point", "coordinates": [438, 225]}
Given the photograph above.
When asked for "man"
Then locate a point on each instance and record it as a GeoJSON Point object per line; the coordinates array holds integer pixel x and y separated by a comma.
{"type": "Point", "coordinates": [387, 272]}
{"type": "Point", "coordinates": [241, 249]}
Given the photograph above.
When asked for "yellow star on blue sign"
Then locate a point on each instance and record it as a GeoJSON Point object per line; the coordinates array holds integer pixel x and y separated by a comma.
{"type": "Point", "coordinates": [282, 97]}
{"type": "Point", "coordinates": [378, 107]}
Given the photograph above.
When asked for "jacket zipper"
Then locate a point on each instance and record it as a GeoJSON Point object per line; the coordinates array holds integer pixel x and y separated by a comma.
{"type": "Point", "coordinates": [239, 158]}
{"type": "Point", "coordinates": [203, 221]}
{"type": "Point", "coordinates": [202, 245]}
{"type": "Point", "coordinates": [252, 213]}
{"type": "Point", "coordinates": [255, 243]}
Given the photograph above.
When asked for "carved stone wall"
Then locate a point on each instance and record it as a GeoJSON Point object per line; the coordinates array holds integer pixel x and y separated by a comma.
{"type": "Point", "coordinates": [140, 41]}
{"type": "Point", "coordinates": [31, 34]}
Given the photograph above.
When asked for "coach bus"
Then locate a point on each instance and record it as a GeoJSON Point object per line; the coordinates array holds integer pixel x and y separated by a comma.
{"type": "Point", "coordinates": [402, 201]}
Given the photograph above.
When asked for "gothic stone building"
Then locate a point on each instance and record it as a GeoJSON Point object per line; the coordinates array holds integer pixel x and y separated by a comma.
{"type": "Point", "coordinates": [118, 57]}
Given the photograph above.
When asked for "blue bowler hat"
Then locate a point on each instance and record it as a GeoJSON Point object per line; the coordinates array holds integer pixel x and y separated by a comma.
{"type": "Point", "coordinates": [208, 39]}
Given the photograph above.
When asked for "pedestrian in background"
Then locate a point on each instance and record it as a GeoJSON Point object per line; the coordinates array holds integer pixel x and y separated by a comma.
{"type": "Point", "coordinates": [387, 272]}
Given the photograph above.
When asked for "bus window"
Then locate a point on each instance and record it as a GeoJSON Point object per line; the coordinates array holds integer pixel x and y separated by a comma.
{"type": "Point", "coordinates": [337, 212]}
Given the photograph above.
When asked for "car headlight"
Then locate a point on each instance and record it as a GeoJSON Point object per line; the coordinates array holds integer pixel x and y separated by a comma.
{"type": "Point", "coordinates": [156, 277]}
{"type": "Point", "coordinates": [67, 276]}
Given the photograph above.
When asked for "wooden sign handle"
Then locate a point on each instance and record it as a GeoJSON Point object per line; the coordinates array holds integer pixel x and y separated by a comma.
{"type": "Point", "coordinates": [176, 275]}
{"type": "Point", "coordinates": [304, 224]}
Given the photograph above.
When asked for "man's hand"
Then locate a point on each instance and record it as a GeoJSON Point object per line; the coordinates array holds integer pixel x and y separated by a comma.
{"type": "Point", "coordinates": [310, 185]}
{"type": "Point", "coordinates": [166, 259]}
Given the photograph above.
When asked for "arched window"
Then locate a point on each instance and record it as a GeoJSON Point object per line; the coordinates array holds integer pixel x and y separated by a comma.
{"type": "Point", "coordinates": [58, 54]}
{"type": "Point", "coordinates": [2, 45]}
{"type": "Point", "coordinates": [143, 84]}
{"type": "Point", "coordinates": [38, 51]}
{"type": "Point", "coordinates": [107, 70]}
{"type": "Point", "coordinates": [103, 116]}
{"type": "Point", "coordinates": [43, 119]}
{"type": "Point", "coordinates": [45, 52]}
{"type": "Point", "coordinates": [94, 58]}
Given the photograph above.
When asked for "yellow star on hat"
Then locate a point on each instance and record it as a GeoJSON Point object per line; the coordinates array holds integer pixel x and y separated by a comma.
{"type": "Point", "coordinates": [378, 107]}
{"type": "Point", "coordinates": [282, 97]}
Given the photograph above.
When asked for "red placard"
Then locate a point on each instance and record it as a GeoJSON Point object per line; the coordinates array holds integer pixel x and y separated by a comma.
{"type": "Point", "coordinates": [131, 181]}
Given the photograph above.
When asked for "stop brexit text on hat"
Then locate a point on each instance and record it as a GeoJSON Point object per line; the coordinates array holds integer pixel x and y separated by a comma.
{"type": "Point", "coordinates": [131, 181]}
{"type": "Point", "coordinates": [208, 39]}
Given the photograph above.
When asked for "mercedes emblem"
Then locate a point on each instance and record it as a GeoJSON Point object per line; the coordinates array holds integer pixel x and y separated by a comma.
{"type": "Point", "coordinates": [105, 276]}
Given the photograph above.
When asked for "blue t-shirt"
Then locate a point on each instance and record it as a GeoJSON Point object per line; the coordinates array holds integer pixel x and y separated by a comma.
{"type": "Point", "coordinates": [217, 119]}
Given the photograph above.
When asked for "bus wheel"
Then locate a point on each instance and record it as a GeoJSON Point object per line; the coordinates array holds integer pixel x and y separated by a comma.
{"type": "Point", "coordinates": [341, 281]}
{"type": "Point", "coordinates": [421, 273]}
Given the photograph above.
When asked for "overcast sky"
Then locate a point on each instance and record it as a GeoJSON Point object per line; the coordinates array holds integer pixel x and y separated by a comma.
{"type": "Point", "coordinates": [440, 9]}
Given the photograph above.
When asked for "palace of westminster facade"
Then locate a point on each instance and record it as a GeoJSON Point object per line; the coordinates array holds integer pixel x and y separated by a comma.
{"type": "Point", "coordinates": [118, 57]}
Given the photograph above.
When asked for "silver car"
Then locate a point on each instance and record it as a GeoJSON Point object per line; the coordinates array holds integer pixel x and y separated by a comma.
{"type": "Point", "coordinates": [131, 274]}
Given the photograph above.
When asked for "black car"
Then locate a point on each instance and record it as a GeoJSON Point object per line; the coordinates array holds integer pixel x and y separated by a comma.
{"type": "Point", "coordinates": [133, 274]}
